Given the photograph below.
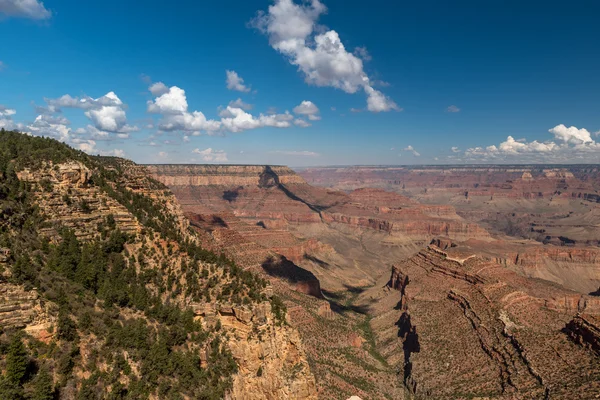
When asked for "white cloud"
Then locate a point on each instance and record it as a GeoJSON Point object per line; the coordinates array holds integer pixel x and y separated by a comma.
{"type": "Point", "coordinates": [378, 102]}
{"type": "Point", "coordinates": [239, 120]}
{"type": "Point", "coordinates": [239, 103]}
{"type": "Point", "coordinates": [210, 155]}
{"type": "Point", "coordinates": [236, 82]}
{"type": "Point", "coordinates": [308, 109]}
{"type": "Point", "coordinates": [195, 121]}
{"type": "Point", "coordinates": [172, 101]}
{"type": "Point", "coordinates": [571, 135]}
{"type": "Point", "coordinates": [455, 149]}
{"type": "Point", "coordinates": [411, 149]}
{"type": "Point", "coordinates": [108, 118]}
{"type": "Point", "coordinates": [356, 110]}
{"type": "Point", "coordinates": [163, 154]}
{"type": "Point", "coordinates": [31, 9]}
{"type": "Point", "coordinates": [175, 116]}
{"type": "Point", "coordinates": [48, 126]}
{"type": "Point", "coordinates": [158, 89]}
{"type": "Point", "coordinates": [106, 112]}
{"type": "Point", "coordinates": [173, 106]}
{"type": "Point", "coordinates": [453, 109]}
{"type": "Point", "coordinates": [6, 112]}
{"type": "Point", "coordinates": [302, 153]}
{"type": "Point", "coordinates": [88, 146]}
{"type": "Point", "coordinates": [321, 57]}
{"type": "Point", "coordinates": [571, 145]}
{"type": "Point", "coordinates": [301, 123]}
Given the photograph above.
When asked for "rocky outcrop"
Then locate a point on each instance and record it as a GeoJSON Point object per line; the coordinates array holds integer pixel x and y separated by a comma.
{"type": "Point", "coordinates": [585, 331]}
{"type": "Point", "coordinates": [21, 308]}
{"type": "Point", "coordinates": [398, 280]}
{"type": "Point", "coordinates": [63, 193]}
{"type": "Point", "coordinates": [270, 356]}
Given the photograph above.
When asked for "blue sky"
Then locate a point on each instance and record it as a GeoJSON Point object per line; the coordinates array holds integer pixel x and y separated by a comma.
{"type": "Point", "coordinates": [376, 82]}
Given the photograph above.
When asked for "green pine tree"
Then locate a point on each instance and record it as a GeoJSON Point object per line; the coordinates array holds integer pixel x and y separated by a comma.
{"type": "Point", "coordinates": [43, 386]}
{"type": "Point", "coordinates": [16, 361]}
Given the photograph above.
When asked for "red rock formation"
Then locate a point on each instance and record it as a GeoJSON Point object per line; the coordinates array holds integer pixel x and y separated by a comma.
{"type": "Point", "coordinates": [585, 330]}
{"type": "Point", "coordinates": [398, 280]}
{"type": "Point", "coordinates": [477, 329]}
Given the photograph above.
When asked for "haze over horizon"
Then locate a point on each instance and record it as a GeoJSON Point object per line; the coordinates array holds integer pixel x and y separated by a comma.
{"type": "Point", "coordinates": [306, 83]}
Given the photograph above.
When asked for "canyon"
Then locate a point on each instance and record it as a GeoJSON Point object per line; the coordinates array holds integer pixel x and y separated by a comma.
{"type": "Point", "coordinates": [260, 282]}
{"type": "Point", "coordinates": [515, 301]}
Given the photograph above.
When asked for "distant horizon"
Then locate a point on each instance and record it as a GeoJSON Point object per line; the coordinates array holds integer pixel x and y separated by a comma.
{"type": "Point", "coordinates": [380, 165]}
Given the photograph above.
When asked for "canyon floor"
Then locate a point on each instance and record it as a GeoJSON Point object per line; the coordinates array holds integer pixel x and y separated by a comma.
{"type": "Point", "coordinates": [429, 282]}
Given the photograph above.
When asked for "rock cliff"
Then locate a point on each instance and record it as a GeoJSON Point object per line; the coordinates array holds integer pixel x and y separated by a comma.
{"type": "Point", "coordinates": [473, 328]}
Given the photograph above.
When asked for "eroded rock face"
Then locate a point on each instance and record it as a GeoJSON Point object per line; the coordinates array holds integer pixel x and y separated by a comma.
{"type": "Point", "coordinates": [585, 330]}
{"type": "Point", "coordinates": [67, 200]}
{"type": "Point", "coordinates": [270, 356]}
{"type": "Point", "coordinates": [222, 175]}
{"type": "Point", "coordinates": [398, 280]}
{"type": "Point", "coordinates": [20, 308]}
{"type": "Point", "coordinates": [477, 329]}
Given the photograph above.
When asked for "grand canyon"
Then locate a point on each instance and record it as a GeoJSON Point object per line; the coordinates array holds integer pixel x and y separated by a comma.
{"type": "Point", "coordinates": [299, 200]}
{"type": "Point", "coordinates": [450, 282]}
{"type": "Point", "coordinates": [372, 282]}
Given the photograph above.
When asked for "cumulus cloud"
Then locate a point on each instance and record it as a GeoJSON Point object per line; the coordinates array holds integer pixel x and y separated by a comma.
{"type": "Point", "coordinates": [175, 116]}
{"type": "Point", "coordinates": [236, 82]}
{"type": "Point", "coordinates": [412, 150]}
{"type": "Point", "coordinates": [6, 121]}
{"type": "Point", "coordinates": [308, 109]}
{"type": "Point", "coordinates": [301, 123]}
{"type": "Point", "coordinates": [303, 153]}
{"type": "Point", "coordinates": [173, 101]}
{"type": "Point", "coordinates": [6, 112]}
{"type": "Point", "coordinates": [107, 112]}
{"type": "Point", "coordinates": [319, 55]}
{"type": "Point", "coordinates": [48, 126]}
{"type": "Point", "coordinates": [239, 120]}
{"type": "Point", "coordinates": [453, 109]}
{"type": "Point", "coordinates": [31, 9]}
{"type": "Point", "coordinates": [571, 135]}
{"type": "Point", "coordinates": [158, 88]}
{"type": "Point", "coordinates": [239, 103]}
{"type": "Point", "coordinates": [570, 145]}
{"type": "Point", "coordinates": [455, 149]}
{"type": "Point", "coordinates": [210, 155]}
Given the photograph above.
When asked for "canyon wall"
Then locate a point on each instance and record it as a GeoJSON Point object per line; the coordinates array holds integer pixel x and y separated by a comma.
{"type": "Point", "coordinates": [468, 327]}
